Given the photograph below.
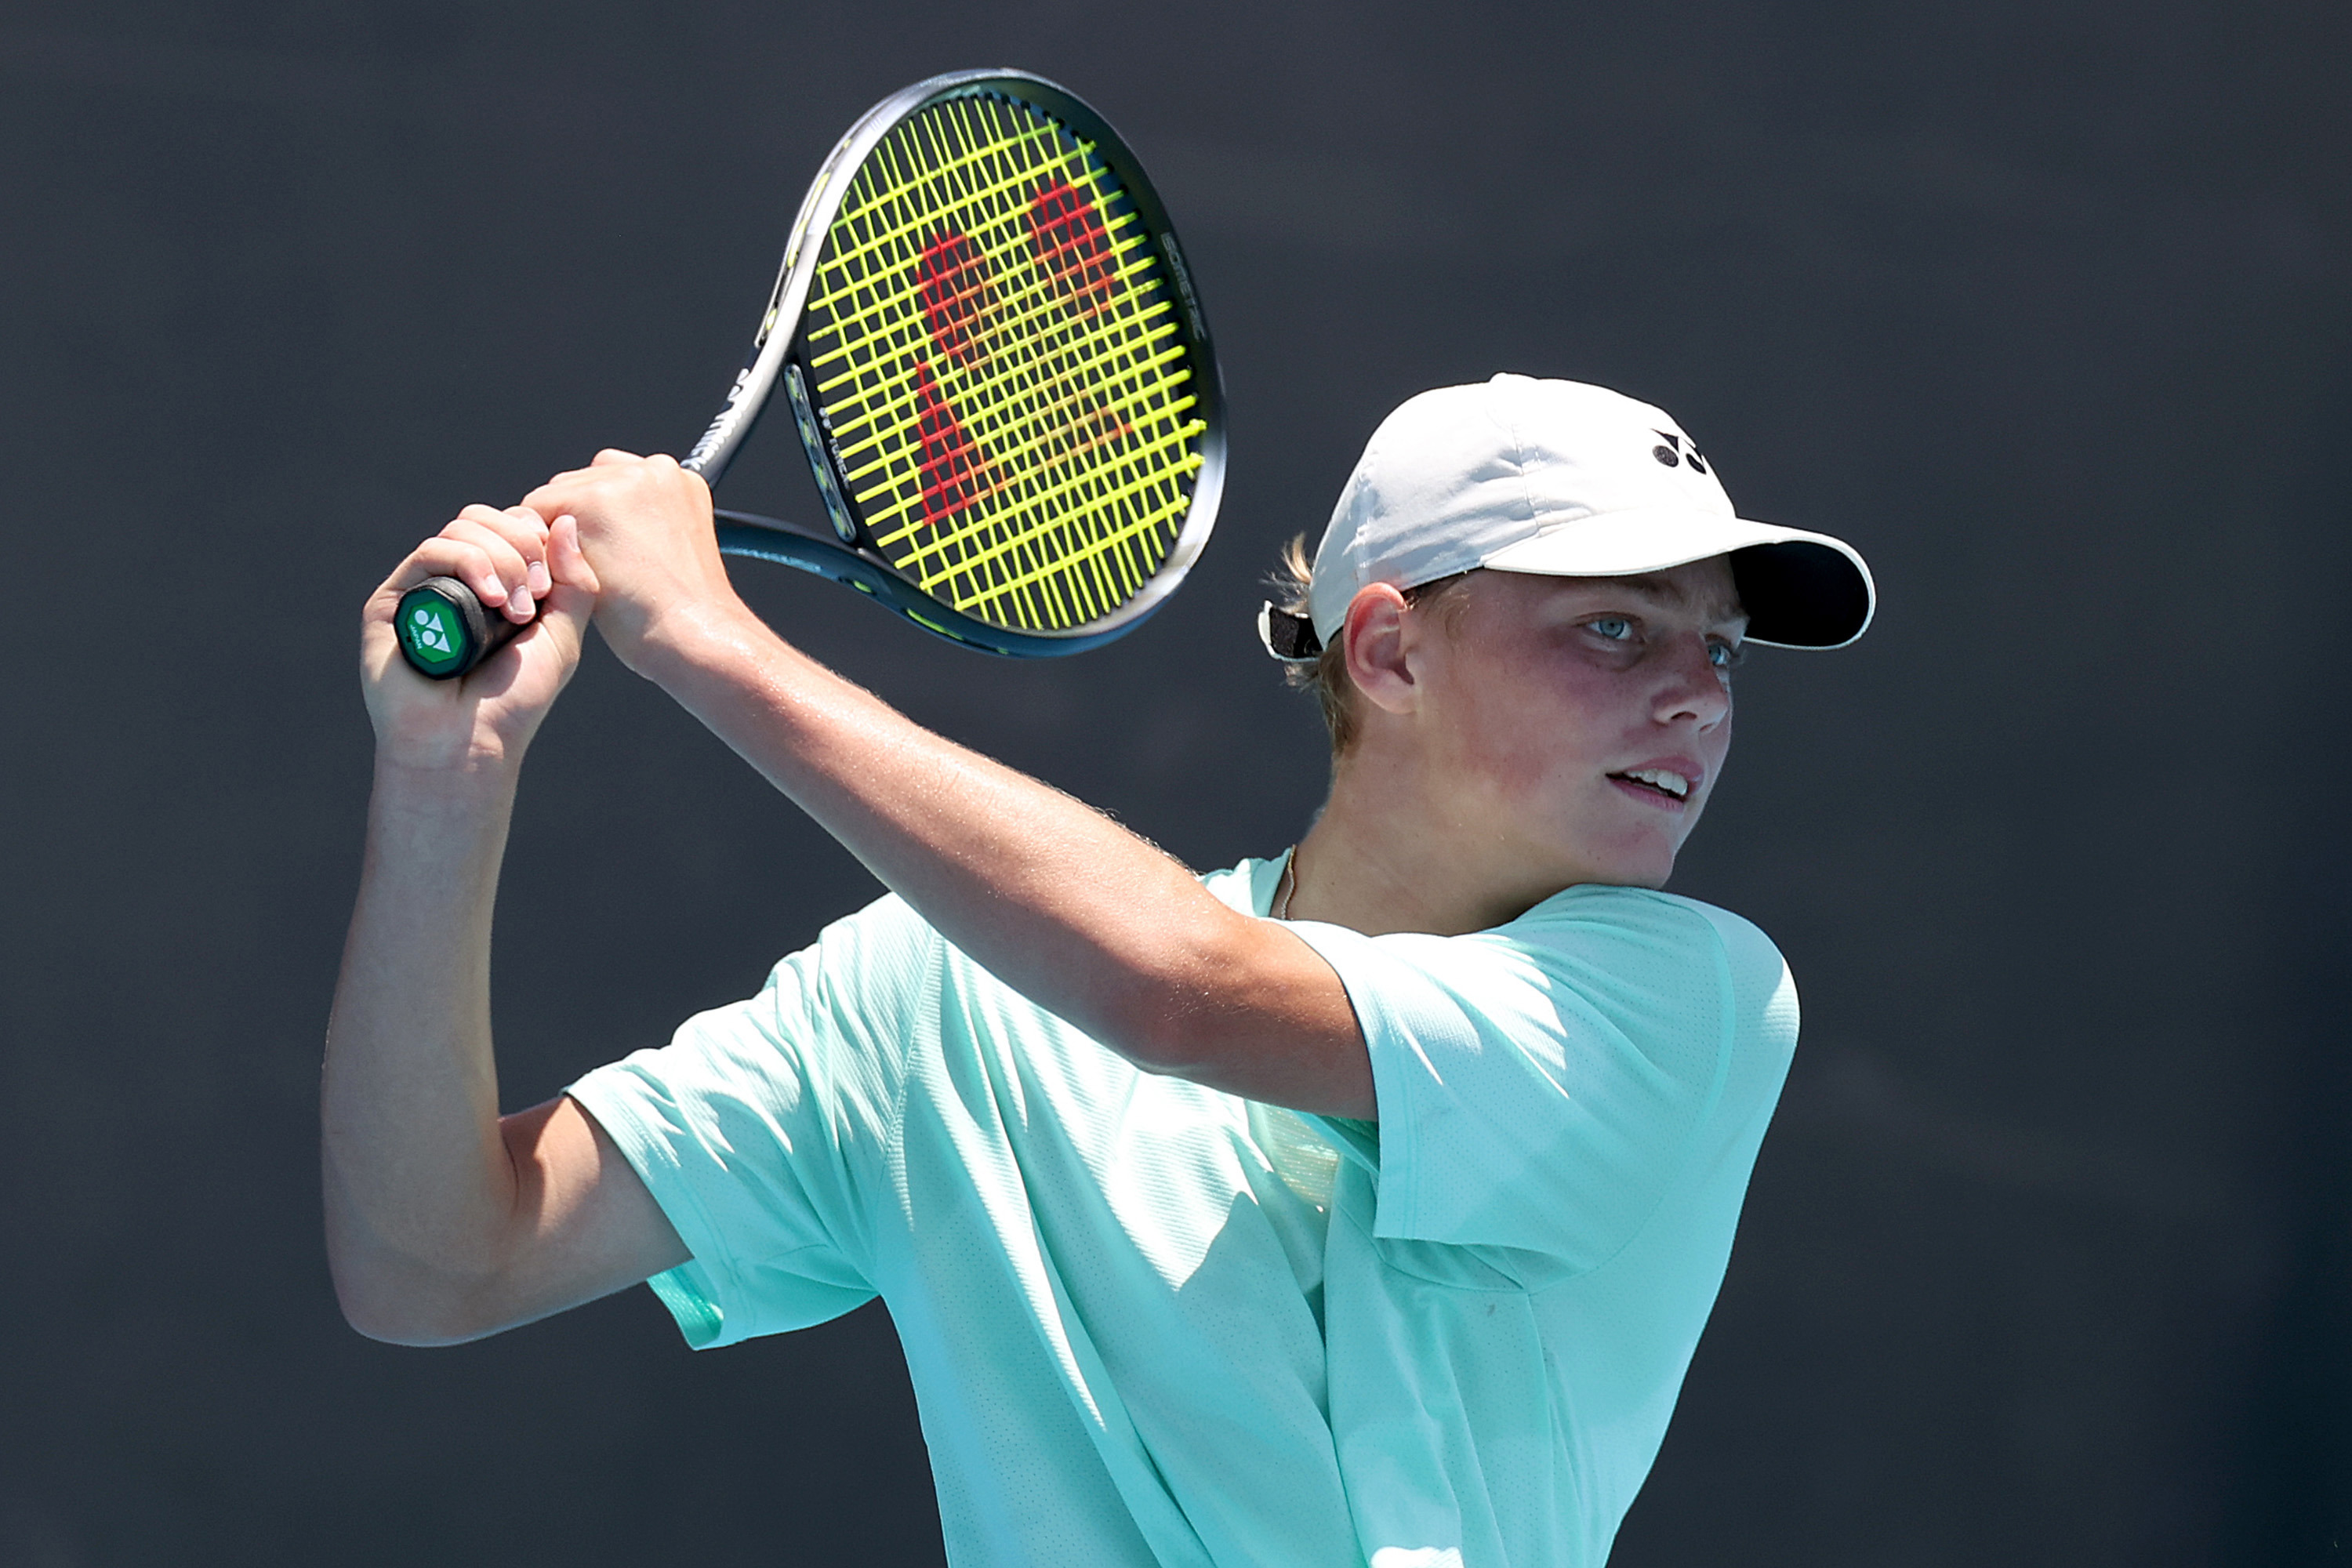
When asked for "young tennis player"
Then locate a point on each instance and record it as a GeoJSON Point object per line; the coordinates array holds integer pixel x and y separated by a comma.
{"type": "Point", "coordinates": [1362, 1205]}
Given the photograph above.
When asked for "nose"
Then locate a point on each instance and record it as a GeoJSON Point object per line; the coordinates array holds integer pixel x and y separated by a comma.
{"type": "Point", "coordinates": [1693, 691]}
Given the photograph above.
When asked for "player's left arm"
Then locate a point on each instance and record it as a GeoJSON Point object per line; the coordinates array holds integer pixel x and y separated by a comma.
{"type": "Point", "coordinates": [1072, 911]}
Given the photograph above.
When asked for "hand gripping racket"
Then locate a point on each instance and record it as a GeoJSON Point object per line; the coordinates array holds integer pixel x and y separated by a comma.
{"type": "Point", "coordinates": [999, 372]}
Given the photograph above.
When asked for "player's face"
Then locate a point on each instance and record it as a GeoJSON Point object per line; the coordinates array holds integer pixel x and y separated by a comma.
{"type": "Point", "coordinates": [1587, 719]}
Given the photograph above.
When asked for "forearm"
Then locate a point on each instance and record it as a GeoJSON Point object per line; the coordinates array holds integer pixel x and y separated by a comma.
{"type": "Point", "coordinates": [1054, 897]}
{"type": "Point", "coordinates": [1069, 909]}
{"type": "Point", "coordinates": [420, 1194]}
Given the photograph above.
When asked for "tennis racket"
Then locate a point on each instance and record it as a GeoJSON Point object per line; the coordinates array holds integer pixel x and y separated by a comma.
{"type": "Point", "coordinates": [999, 373]}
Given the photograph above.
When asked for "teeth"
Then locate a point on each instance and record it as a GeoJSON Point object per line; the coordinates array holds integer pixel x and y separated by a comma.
{"type": "Point", "coordinates": [1673, 783]}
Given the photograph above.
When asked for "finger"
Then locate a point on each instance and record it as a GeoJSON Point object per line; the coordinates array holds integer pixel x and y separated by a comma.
{"type": "Point", "coordinates": [478, 559]}
{"type": "Point", "coordinates": [572, 598]}
{"type": "Point", "coordinates": [507, 584]}
{"type": "Point", "coordinates": [522, 540]}
{"type": "Point", "coordinates": [526, 530]}
{"type": "Point", "coordinates": [612, 455]}
{"type": "Point", "coordinates": [521, 526]}
{"type": "Point", "coordinates": [440, 556]}
{"type": "Point", "coordinates": [534, 548]}
{"type": "Point", "coordinates": [566, 561]}
{"type": "Point", "coordinates": [561, 492]}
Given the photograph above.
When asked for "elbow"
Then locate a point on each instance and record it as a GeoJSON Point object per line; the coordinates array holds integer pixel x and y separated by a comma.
{"type": "Point", "coordinates": [1156, 1050]}
{"type": "Point", "coordinates": [402, 1282]}
{"type": "Point", "coordinates": [393, 1306]}
{"type": "Point", "coordinates": [402, 1323]}
{"type": "Point", "coordinates": [388, 1327]}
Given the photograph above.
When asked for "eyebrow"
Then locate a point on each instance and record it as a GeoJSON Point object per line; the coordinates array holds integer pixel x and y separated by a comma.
{"type": "Point", "coordinates": [1667, 591]}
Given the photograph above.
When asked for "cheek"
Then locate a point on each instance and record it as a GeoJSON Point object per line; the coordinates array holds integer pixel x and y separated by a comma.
{"type": "Point", "coordinates": [1523, 737]}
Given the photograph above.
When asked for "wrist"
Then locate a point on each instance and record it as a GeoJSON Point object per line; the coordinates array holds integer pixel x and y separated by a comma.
{"type": "Point", "coordinates": [478, 784]}
{"type": "Point", "coordinates": [674, 648]}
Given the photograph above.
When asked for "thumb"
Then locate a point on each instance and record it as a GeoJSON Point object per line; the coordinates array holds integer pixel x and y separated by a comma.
{"type": "Point", "coordinates": [572, 595]}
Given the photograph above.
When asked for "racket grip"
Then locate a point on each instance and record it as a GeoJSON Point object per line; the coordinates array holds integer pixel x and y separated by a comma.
{"type": "Point", "coordinates": [445, 631]}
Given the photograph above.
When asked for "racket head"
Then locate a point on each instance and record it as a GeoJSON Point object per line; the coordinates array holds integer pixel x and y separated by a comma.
{"type": "Point", "coordinates": [998, 368]}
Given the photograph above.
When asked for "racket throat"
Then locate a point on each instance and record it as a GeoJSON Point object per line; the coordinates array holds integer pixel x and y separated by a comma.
{"type": "Point", "coordinates": [823, 461]}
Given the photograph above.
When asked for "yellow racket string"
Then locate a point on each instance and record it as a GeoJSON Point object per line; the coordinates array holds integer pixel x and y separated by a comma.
{"type": "Point", "coordinates": [996, 350]}
{"type": "Point", "coordinates": [1070, 488]}
{"type": "Point", "coordinates": [952, 554]}
{"type": "Point", "coordinates": [1028, 405]}
{"type": "Point", "coordinates": [1037, 318]}
{"type": "Point", "coordinates": [1084, 490]}
{"type": "Point", "coordinates": [901, 213]}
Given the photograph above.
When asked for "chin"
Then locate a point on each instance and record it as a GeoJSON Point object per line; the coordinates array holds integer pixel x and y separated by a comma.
{"type": "Point", "coordinates": [1626, 871]}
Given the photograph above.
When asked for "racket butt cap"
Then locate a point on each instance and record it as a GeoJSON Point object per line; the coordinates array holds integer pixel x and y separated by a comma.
{"type": "Point", "coordinates": [444, 629]}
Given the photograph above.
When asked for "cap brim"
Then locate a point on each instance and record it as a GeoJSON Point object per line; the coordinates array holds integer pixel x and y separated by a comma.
{"type": "Point", "coordinates": [1799, 589]}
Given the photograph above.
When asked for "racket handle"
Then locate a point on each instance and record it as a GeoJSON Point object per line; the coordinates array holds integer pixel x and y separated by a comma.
{"type": "Point", "coordinates": [445, 631]}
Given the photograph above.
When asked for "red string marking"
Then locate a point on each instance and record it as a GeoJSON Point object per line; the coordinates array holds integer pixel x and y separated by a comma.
{"type": "Point", "coordinates": [961, 308]}
{"type": "Point", "coordinates": [1080, 423]}
{"type": "Point", "coordinates": [1067, 234]}
{"type": "Point", "coordinates": [955, 471]}
{"type": "Point", "coordinates": [959, 297]}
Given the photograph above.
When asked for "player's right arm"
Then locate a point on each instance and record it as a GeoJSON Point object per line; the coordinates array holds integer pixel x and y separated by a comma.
{"type": "Point", "coordinates": [446, 1222]}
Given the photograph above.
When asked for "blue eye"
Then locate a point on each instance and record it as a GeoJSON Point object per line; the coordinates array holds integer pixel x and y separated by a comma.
{"type": "Point", "coordinates": [1722, 654]}
{"type": "Point", "coordinates": [1616, 629]}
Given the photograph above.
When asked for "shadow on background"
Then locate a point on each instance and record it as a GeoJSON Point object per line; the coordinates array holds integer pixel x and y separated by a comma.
{"type": "Point", "coordinates": [2043, 306]}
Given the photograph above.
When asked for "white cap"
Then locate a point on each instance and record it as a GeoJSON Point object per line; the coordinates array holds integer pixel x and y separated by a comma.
{"type": "Point", "coordinates": [1571, 481]}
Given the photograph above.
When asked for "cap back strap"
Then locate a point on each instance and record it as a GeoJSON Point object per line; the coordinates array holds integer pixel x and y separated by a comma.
{"type": "Point", "coordinates": [1290, 638]}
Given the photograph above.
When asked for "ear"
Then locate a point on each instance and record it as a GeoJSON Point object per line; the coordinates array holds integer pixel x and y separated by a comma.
{"type": "Point", "coordinates": [1375, 638]}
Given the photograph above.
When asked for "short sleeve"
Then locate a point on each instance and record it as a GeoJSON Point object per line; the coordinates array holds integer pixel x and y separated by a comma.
{"type": "Point", "coordinates": [763, 1129]}
{"type": "Point", "coordinates": [1541, 1086]}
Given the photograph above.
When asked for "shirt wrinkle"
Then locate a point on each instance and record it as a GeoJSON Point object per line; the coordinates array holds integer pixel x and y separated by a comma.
{"type": "Point", "coordinates": [1149, 1324]}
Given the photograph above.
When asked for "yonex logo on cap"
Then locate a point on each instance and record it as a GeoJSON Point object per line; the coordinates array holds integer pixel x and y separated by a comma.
{"type": "Point", "coordinates": [1677, 450]}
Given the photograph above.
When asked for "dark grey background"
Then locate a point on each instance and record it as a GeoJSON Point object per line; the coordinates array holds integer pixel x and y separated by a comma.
{"type": "Point", "coordinates": [2048, 1258]}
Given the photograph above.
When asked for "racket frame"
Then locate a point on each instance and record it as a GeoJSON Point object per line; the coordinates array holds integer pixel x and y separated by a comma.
{"type": "Point", "coordinates": [779, 353]}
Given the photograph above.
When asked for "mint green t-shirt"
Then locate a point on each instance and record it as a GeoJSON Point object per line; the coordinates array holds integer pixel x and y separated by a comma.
{"type": "Point", "coordinates": [1152, 1323]}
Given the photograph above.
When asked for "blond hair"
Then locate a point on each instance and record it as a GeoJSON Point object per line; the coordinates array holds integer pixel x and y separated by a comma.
{"type": "Point", "coordinates": [1326, 674]}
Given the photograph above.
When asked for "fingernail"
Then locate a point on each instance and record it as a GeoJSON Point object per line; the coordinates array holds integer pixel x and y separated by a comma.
{"type": "Point", "coordinates": [518, 604]}
{"type": "Point", "coordinates": [495, 592]}
{"type": "Point", "coordinates": [538, 582]}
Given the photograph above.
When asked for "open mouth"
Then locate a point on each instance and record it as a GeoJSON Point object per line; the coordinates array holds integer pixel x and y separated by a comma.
{"type": "Point", "coordinates": [1663, 783]}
